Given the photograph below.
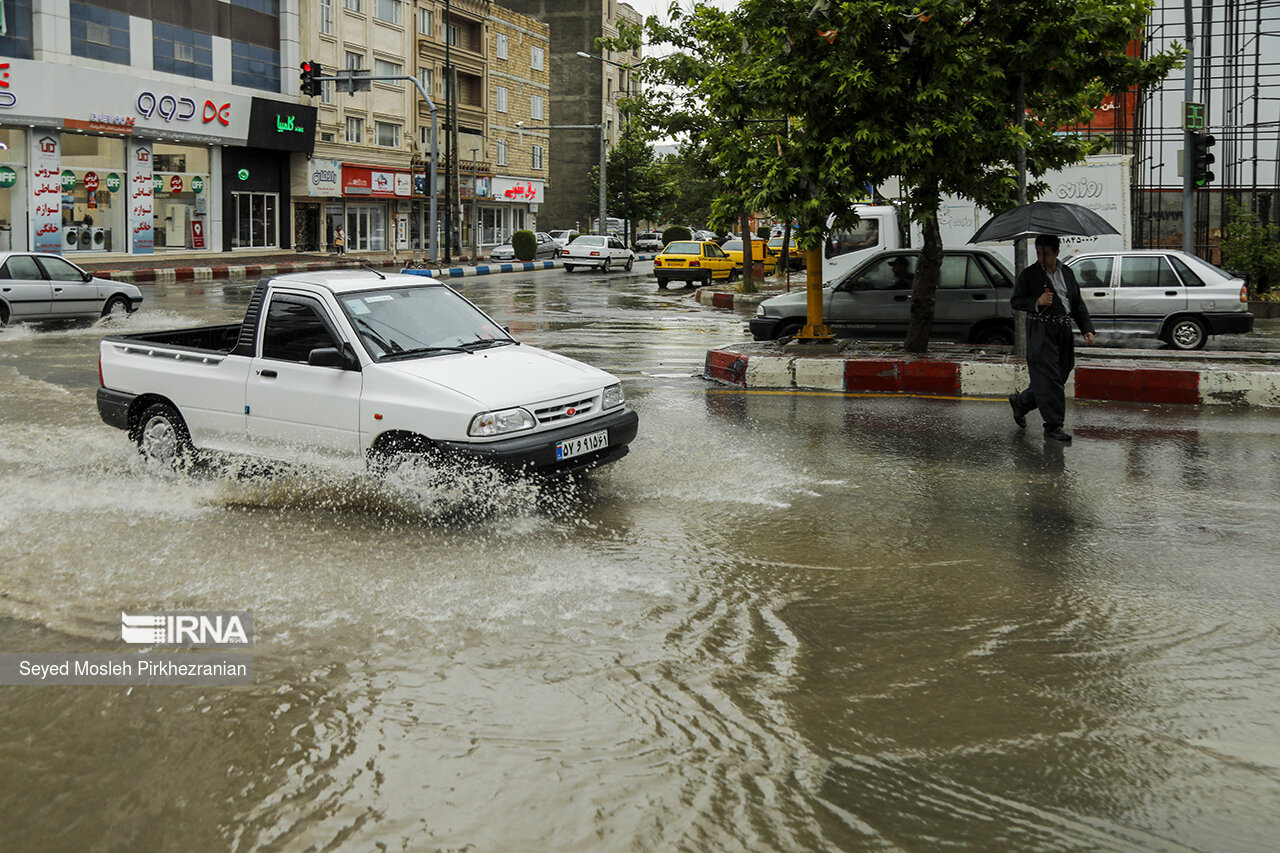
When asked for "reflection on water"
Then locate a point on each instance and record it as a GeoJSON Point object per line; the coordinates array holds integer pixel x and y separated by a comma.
{"type": "Point", "coordinates": [784, 622]}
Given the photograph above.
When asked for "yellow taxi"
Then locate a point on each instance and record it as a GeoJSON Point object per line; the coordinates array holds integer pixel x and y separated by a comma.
{"type": "Point", "coordinates": [795, 255]}
{"type": "Point", "coordinates": [692, 261]}
{"type": "Point", "coordinates": [759, 252]}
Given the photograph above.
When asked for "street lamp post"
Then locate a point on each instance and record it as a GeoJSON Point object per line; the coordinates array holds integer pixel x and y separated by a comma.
{"type": "Point", "coordinates": [475, 207]}
{"type": "Point", "coordinates": [604, 229]}
{"type": "Point", "coordinates": [626, 175]}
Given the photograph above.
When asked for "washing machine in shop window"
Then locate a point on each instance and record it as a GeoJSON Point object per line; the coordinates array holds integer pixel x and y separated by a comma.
{"type": "Point", "coordinates": [101, 240]}
{"type": "Point", "coordinates": [71, 238]}
{"type": "Point", "coordinates": [86, 238]}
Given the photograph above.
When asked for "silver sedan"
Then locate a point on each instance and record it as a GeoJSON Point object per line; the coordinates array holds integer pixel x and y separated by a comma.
{"type": "Point", "coordinates": [39, 286]}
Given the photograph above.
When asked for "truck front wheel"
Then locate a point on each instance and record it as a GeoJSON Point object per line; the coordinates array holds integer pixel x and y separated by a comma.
{"type": "Point", "coordinates": [163, 439]}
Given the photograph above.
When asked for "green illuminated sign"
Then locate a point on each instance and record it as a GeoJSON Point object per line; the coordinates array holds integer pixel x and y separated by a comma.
{"type": "Point", "coordinates": [1192, 116]}
{"type": "Point", "coordinates": [197, 184]}
{"type": "Point", "coordinates": [68, 180]}
{"type": "Point", "coordinates": [243, 174]}
{"type": "Point", "coordinates": [113, 182]}
{"type": "Point", "coordinates": [8, 177]}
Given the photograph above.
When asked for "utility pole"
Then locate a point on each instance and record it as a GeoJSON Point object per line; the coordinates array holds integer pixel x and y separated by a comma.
{"type": "Point", "coordinates": [475, 207]}
{"type": "Point", "coordinates": [1188, 179]}
{"type": "Point", "coordinates": [1020, 244]}
{"type": "Point", "coordinates": [448, 137]}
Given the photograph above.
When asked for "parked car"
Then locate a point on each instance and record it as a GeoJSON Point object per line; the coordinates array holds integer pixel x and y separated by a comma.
{"type": "Point", "coordinates": [648, 241]}
{"type": "Point", "coordinates": [361, 365]}
{"type": "Point", "coordinates": [874, 300]}
{"type": "Point", "coordinates": [704, 236]}
{"type": "Point", "coordinates": [759, 251]}
{"type": "Point", "coordinates": [594, 250]}
{"type": "Point", "coordinates": [40, 286]}
{"type": "Point", "coordinates": [1176, 297]}
{"type": "Point", "coordinates": [561, 237]}
{"type": "Point", "coordinates": [693, 260]}
{"type": "Point", "coordinates": [795, 255]}
{"type": "Point", "coordinates": [547, 249]}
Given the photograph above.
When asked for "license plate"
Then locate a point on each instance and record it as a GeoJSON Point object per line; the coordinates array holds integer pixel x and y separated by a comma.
{"type": "Point", "coordinates": [572, 447]}
{"type": "Point", "coordinates": [676, 263]}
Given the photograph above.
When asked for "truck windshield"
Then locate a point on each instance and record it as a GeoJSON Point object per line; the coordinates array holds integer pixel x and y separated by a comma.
{"type": "Point", "coordinates": [418, 322]}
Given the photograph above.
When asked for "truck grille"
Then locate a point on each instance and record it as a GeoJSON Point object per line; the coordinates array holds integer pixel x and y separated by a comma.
{"type": "Point", "coordinates": [565, 411]}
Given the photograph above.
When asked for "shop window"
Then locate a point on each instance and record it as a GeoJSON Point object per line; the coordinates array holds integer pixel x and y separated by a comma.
{"type": "Point", "coordinates": [181, 195]}
{"type": "Point", "coordinates": [180, 51]}
{"type": "Point", "coordinates": [387, 10]}
{"type": "Point", "coordinates": [387, 134]}
{"type": "Point", "coordinates": [255, 66]}
{"type": "Point", "coordinates": [255, 218]}
{"type": "Point", "coordinates": [13, 203]}
{"type": "Point", "coordinates": [17, 40]}
{"type": "Point", "coordinates": [95, 204]}
{"type": "Point", "coordinates": [366, 229]}
{"type": "Point", "coordinates": [99, 33]}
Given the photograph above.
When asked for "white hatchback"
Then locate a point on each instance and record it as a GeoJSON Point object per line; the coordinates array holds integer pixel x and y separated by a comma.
{"type": "Point", "coordinates": [594, 250]}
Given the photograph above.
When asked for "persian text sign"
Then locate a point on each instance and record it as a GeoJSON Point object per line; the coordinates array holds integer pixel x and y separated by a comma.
{"type": "Point", "coordinates": [46, 192]}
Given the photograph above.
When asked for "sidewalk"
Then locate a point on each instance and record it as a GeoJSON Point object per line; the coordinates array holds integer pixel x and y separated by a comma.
{"type": "Point", "coordinates": [958, 371]}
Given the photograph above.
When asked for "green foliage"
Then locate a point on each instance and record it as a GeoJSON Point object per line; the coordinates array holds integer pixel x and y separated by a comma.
{"type": "Point", "coordinates": [525, 245]}
{"type": "Point", "coordinates": [1251, 247]}
{"type": "Point", "coordinates": [676, 232]}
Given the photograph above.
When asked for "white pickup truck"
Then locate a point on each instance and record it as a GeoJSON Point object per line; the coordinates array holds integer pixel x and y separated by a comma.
{"type": "Point", "coordinates": [353, 363]}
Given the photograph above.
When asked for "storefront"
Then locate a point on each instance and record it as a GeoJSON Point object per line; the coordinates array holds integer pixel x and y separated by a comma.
{"type": "Point", "coordinates": [513, 207]}
{"type": "Point", "coordinates": [97, 162]}
{"type": "Point", "coordinates": [373, 220]}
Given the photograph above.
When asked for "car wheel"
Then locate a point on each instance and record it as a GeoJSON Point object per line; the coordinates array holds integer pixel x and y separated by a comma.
{"type": "Point", "coordinates": [4, 314]}
{"type": "Point", "coordinates": [605, 266]}
{"type": "Point", "coordinates": [787, 329]}
{"type": "Point", "coordinates": [631, 262]}
{"type": "Point", "coordinates": [1186, 333]}
{"type": "Point", "coordinates": [662, 284]}
{"type": "Point", "coordinates": [568, 267]}
{"type": "Point", "coordinates": [117, 306]}
{"type": "Point", "coordinates": [993, 335]}
{"type": "Point", "coordinates": [163, 439]}
{"type": "Point", "coordinates": [732, 276]}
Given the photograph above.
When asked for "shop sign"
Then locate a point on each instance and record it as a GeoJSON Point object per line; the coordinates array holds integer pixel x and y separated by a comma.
{"type": "Point", "coordinates": [404, 184]}
{"type": "Point", "coordinates": [383, 183]}
{"type": "Point", "coordinates": [175, 184]}
{"type": "Point", "coordinates": [8, 177]}
{"type": "Point", "coordinates": [324, 178]}
{"type": "Point", "coordinates": [361, 180]}
{"type": "Point", "coordinates": [506, 189]}
{"type": "Point", "coordinates": [181, 108]}
{"type": "Point", "coordinates": [157, 184]}
{"type": "Point", "coordinates": [113, 182]}
{"type": "Point", "coordinates": [102, 123]}
{"type": "Point", "coordinates": [197, 234]}
{"type": "Point", "coordinates": [197, 184]}
{"type": "Point", "coordinates": [142, 198]}
{"type": "Point", "coordinates": [91, 181]}
{"type": "Point", "coordinates": [46, 193]}
{"type": "Point", "coordinates": [281, 126]}
{"type": "Point", "coordinates": [68, 180]}
{"type": "Point", "coordinates": [7, 99]}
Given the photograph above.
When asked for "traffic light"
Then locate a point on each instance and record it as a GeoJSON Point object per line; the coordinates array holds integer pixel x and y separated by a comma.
{"type": "Point", "coordinates": [1201, 159]}
{"type": "Point", "coordinates": [310, 71]}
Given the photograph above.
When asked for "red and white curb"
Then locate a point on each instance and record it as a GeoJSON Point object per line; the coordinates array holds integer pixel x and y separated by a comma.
{"type": "Point", "coordinates": [217, 272]}
{"type": "Point", "coordinates": [1234, 385]}
{"type": "Point", "coordinates": [723, 299]}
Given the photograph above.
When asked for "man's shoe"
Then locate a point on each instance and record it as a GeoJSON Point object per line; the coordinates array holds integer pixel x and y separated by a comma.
{"type": "Point", "coordinates": [1019, 417]}
{"type": "Point", "coordinates": [1058, 434]}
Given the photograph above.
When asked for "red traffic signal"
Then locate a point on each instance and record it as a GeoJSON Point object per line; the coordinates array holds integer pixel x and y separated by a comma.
{"type": "Point", "coordinates": [308, 84]}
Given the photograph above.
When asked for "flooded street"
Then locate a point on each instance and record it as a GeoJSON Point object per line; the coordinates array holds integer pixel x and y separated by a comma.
{"type": "Point", "coordinates": [785, 622]}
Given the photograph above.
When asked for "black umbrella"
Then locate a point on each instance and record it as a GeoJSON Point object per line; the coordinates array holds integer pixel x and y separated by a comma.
{"type": "Point", "coordinates": [1043, 217]}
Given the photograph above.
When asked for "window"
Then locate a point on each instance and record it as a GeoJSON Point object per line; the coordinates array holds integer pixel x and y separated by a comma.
{"type": "Point", "coordinates": [255, 66]}
{"type": "Point", "coordinates": [99, 33]}
{"type": "Point", "coordinates": [267, 7]}
{"type": "Point", "coordinates": [17, 41]}
{"type": "Point", "coordinates": [355, 61]}
{"type": "Point", "coordinates": [502, 45]}
{"type": "Point", "coordinates": [537, 157]}
{"type": "Point", "coordinates": [353, 5]}
{"type": "Point", "coordinates": [326, 92]}
{"type": "Point", "coordinates": [1093, 272]}
{"type": "Point", "coordinates": [326, 17]}
{"type": "Point", "coordinates": [181, 51]}
{"type": "Point", "coordinates": [535, 107]}
{"type": "Point", "coordinates": [22, 267]}
{"type": "Point", "coordinates": [501, 99]}
{"type": "Point", "coordinates": [453, 35]}
{"type": "Point", "coordinates": [255, 221]}
{"type": "Point", "coordinates": [1147, 271]}
{"type": "Point", "coordinates": [383, 68]}
{"type": "Point", "coordinates": [355, 129]}
{"type": "Point", "coordinates": [536, 58]}
{"type": "Point", "coordinates": [1189, 277]}
{"type": "Point", "coordinates": [59, 270]}
{"type": "Point", "coordinates": [426, 22]}
{"type": "Point", "coordinates": [427, 79]}
{"type": "Point", "coordinates": [387, 134]}
{"type": "Point", "coordinates": [387, 10]}
{"type": "Point", "coordinates": [502, 152]}
{"type": "Point", "coordinates": [295, 326]}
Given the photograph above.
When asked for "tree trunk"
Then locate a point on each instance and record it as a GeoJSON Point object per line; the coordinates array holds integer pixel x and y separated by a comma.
{"type": "Point", "coordinates": [925, 291]}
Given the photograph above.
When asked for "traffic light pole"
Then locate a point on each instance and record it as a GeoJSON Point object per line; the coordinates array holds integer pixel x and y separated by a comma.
{"type": "Point", "coordinates": [433, 248]}
{"type": "Point", "coordinates": [1188, 153]}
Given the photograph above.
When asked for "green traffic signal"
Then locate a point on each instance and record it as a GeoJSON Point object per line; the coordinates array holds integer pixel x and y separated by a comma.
{"type": "Point", "coordinates": [1201, 159]}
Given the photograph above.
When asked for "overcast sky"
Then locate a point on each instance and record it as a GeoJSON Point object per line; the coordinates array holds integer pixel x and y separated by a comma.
{"type": "Point", "coordinates": [659, 7]}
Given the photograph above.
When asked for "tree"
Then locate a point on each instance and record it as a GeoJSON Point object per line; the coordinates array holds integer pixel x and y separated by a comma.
{"type": "Point", "coordinates": [926, 93]}
{"type": "Point", "coordinates": [1252, 247]}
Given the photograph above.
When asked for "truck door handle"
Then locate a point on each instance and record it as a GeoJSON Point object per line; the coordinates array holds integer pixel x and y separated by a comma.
{"type": "Point", "coordinates": [901, 298]}
{"type": "Point", "coordinates": [268, 374]}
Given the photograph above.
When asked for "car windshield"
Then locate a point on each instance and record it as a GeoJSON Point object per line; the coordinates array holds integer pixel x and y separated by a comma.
{"type": "Point", "coordinates": [589, 240]}
{"type": "Point", "coordinates": [418, 321]}
{"type": "Point", "coordinates": [682, 249]}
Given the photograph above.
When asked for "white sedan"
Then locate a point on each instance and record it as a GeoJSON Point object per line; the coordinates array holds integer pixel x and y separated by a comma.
{"type": "Point", "coordinates": [593, 250]}
{"type": "Point", "coordinates": [40, 286]}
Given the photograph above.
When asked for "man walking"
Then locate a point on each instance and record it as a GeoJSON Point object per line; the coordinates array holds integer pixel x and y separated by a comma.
{"type": "Point", "coordinates": [1048, 293]}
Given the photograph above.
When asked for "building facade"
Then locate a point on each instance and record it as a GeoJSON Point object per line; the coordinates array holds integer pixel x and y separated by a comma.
{"type": "Point", "coordinates": [584, 91]}
{"type": "Point", "coordinates": [134, 127]}
{"type": "Point", "coordinates": [368, 171]}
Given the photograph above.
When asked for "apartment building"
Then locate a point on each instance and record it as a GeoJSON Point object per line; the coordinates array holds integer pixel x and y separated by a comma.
{"type": "Point", "coordinates": [139, 127]}
{"type": "Point", "coordinates": [583, 91]}
{"type": "Point", "coordinates": [372, 147]}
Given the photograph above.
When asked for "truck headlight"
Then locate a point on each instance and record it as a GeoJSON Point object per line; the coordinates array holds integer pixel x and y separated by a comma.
{"type": "Point", "coordinates": [613, 396]}
{"type": "Point", "coordinates": [500, 423]}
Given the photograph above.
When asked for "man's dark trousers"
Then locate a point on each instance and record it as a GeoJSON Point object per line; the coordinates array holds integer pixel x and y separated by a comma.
{"type": "Point", "coordinates": [1051, 356]}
